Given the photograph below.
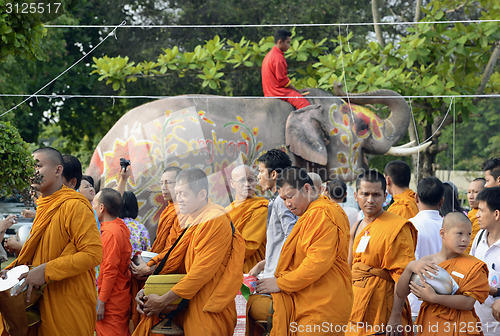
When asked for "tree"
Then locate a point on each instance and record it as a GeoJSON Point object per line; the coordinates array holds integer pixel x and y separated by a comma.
{"type": "Point", "coordinates": [430, 59]}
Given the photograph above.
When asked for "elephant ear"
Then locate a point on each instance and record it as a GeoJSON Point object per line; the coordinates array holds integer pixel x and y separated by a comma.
{"type": "Point", "coordinates": [306, 134]}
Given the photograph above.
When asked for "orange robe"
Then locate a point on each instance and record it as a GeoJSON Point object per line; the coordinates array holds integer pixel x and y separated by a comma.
{"type": "Point", "coordinates": [114, 278]}
{"type": "Point", "coordinates": [167, 218]}
{"type": "Point", "coordinates": [404, 204]}
{"type": "Point", "coordinates": [250, 218]}
{"type": "Point", "coordinates": [471, 275]}
{"type": "Point", "coordinates": [376, 270]}
{"type": "Point", "coordinates": [64, 236]}
{"type": "Point", "coordinates": [475, 227]}
{"type": "Point", "coordinates": [166, 233]}
{"type": "Point", "coordinates": [313, 274]}
{"type": "Point", "coordinates": [212, 257]}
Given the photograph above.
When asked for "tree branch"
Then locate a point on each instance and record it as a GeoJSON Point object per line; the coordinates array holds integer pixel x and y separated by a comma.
{"type": "Point", "coordinates": [453, 10]}
{"type": "Point", "coordinates": [488, 70]}
{"type": "Point", "coordinates": [376, 19]}
{"type": "Point", "coordinates": [417, 10]}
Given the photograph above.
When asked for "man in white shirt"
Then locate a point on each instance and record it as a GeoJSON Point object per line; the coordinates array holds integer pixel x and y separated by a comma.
{"type": "Point", "coordinates": [428, 222]}
{"type": "Point", "coordinates": [486, 247]}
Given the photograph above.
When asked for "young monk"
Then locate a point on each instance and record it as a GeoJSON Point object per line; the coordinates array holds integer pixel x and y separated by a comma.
{"type": "Point", "coordinates": [211, 254]}
{"type": "Point", "coordinates": [398, 175]}
{"type": "Point", "coordinates": [475, 187]}
{"type": "Point", "coordinates": [64, 247]}
{"type": "Point", "coordinates": [311, 289]}
{"type": "Point", "coordinates": [448, 314]}
{"type": "Point", "coordinates": [381, 246]}
{"type": "Point", "coordinates": [114, 276]}
{"type": "Point", "coordinates": [249, 215]}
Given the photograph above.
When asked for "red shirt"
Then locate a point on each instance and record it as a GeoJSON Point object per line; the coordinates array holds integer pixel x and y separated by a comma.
{"type": "Point", "coordinates": [274, 74]}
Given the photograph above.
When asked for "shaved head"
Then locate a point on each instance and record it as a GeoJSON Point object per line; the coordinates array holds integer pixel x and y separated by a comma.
{"type": "Point", "coordinates": [243, 181]}
{"type": "Point", "coordinates": [53, 155]}
{"type": "Point", "coordinates": [454, 218]}
{"type": "Point", "coordinates": [316, 181]}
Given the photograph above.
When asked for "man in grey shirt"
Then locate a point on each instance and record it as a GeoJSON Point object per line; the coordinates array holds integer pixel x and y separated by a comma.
{"type": "Point", "coordinates": [280, 222]}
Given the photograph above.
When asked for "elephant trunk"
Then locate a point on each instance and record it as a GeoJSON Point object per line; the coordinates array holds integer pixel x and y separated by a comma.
{"type": "Point", "coordinates": [395, 125]}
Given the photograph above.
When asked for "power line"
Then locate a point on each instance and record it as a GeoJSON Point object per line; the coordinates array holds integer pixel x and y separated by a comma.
{"type": "Point", "coordinates": [275, 25]}
{"type": "Point", "coordinates": [69, 96]}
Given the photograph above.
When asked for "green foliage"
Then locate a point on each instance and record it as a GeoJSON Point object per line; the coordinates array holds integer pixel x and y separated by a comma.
{"type": "Point", "coordinates": [16, 162]}
{"type": "Point", "coordinates": [20, 34]}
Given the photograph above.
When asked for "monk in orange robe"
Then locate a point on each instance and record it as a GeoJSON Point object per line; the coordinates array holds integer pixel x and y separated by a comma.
{"type": "Point", "coordinates": [64, 247]}
{"type": "Point", "coordinates": [475, 187]}
{"type": "Point", "coordinates": [381, 246]}
{"type": "Point", "coordinates": [249, 215]}
{"type": "Point", "coordinates": [449, 314]}
{"type": "Point", "coordinates": [311, 290]}
{"type": "Point", "coordinates": [114, 277]}
{"type": "Point", "coordinates": [275, 81]}
{"type": "Point", "coordinates": [166, 233]}
{"type": "Point", "coordinates": [211, 254]}
{"type": "Point", "coordinates": [398, 174]}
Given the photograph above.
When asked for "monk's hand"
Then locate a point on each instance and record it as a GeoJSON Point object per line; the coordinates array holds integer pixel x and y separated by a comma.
{"type": "Point", "coordinates": [26, 213]}
{"type": "Point", "coordinates": [35, 278]}
{"type": "Point", "coordinates": [142, 270]}
{"type": "Point", "coordinates": [140, 299]}
{"type": "Point", "coordinates": [424, 293]}
{"type": "Point", "coordinates": [424, 268]}
{"type": "Point", "coordinates": [257, 268]}
{"type": "Point", "coordinates": [495, 310]}
{"type": "Point", "coordinates": [269, 285]}
{"type": "Point", "coordinates": [3, 274]}
{"type": "Point", "coordinates": [101, 308]}
{"type": "Point", "coordinates": [393, 325]}
{"type": "Point", "coordinates": [154, 305]}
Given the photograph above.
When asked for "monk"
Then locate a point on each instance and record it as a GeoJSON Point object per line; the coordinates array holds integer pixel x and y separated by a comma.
{"type": "Point", "coordinates": [398, 174]}
{"type": "Point", "coordinates": [114, 277]}
{"type": "Point", "coordinates": [475, 187]}
{"type": "Point", "coordinates": [211, 254]}
{"type": "Point", "coordinates": [280, 222]}
{"type": "Point", "coordinates": [491, 168]}
{"type": "Point", "coordinates": [486, 247]}
{"type": "Point", "coordinates": [275, 81]}
{"type": "Point", "coordinates": [166, 233]}
{"type": "Point", "coordinates": [249, 215]}
{"type": "Point", "coordinates": [311, 289]}
{"type": "Point", "coordinates": [381, 246]}
{"type": "Point", "coordinates": [64, 248]}
{"type": "Point", "coordinates": [447, 314]}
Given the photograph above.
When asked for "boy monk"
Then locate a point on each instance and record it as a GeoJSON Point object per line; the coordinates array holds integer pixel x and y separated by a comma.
{"type": "Point", "coordinates": [475, 187]}
{"type": "Point", "coordinates": [249, 215]}
{"type": "Point", "coordinates": [275, 81]}
{"type": "Point", "coordinates": [114, 276]}
{"type": "Point", "coordinates": [398, 175]}
{"type": "Point", "coordinates": [311, 289]}
{"type": "Point", "coordinates": [448, 314]}
{"type": "Point", "coordinates": [381, 246]}
{"type": "Point", "coordinates": [211, 254]}
{"type": "Point", "coordinates": [64, 247]}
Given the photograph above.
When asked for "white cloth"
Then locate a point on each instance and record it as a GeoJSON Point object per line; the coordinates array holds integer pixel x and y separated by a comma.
{"type": "Point", "coordinates": [491, 256]}
{"type": "Point", "coordinates": [352, 213]}
{"type": "Point", "coordinates": [428, 223]}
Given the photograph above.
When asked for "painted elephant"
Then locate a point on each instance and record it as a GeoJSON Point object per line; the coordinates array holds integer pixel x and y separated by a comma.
{"type": "Point", "coordinates": [217, 133]}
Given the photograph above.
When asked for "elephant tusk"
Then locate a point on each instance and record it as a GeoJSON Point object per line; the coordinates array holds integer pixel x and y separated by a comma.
{"type": "Point", "coordinates": [399, 151]}
{"type": "Point", "coordinates": [406, 145]}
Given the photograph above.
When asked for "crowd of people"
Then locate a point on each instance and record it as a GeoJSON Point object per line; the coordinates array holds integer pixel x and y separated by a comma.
{"type": "Point", "coordinates": [318, 270]}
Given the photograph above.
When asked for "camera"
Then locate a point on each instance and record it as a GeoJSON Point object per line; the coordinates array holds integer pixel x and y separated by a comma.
{"type": "Point", "coordinates": [124, 163]}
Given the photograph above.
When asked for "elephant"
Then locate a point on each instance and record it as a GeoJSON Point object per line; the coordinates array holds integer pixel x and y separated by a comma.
{"type": "Point", "coordinates": [217, 133]}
